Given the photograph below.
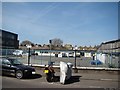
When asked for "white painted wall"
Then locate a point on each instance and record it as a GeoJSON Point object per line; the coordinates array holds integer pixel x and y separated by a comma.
{"type": "Point", "coordinates": [44, 54]}
{"type": "Point", "coordinates": [101, 57]}
{"type": "Point", "coordinates": [87, 54]}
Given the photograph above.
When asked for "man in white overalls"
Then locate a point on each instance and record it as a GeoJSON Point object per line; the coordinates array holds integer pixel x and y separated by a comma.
{"type": "Point", "coordinates": [63, 72]}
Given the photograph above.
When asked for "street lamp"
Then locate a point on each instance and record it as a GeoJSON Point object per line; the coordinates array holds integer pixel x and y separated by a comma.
{"type": "Point", "coordinates": [50, 41]}
{"type": "Point", "coordinates": [28, 46]}
{"type": "Point", "coordinates": [75, 49]}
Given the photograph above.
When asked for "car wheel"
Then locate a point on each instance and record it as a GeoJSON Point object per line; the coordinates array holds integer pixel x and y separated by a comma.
{"type": "Point", "coordinates": [19, 74]}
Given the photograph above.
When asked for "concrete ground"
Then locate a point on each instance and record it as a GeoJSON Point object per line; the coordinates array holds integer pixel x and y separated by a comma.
{"type": "Point", "coordinates": [82, 79]}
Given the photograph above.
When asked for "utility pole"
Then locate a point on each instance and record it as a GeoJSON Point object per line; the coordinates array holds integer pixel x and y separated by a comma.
{"type": "Point", "coordinates": [75, 50]}
{"type": "Point", "coordinates": [28, 46]}
{"type": "Point", "coordinates": [50, 41]}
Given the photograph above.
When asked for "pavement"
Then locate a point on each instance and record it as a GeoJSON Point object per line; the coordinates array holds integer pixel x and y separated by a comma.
{"type": "Point", "coordinates": [82, 79]}
{"type": "Point", "coordinates": [91, 75]}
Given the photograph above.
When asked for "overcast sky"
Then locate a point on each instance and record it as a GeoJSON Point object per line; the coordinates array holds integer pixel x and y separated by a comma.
{"type": "Point", "coordinates": [76, 23]}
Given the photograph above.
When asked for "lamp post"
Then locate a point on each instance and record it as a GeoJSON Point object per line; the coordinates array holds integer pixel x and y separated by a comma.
{"type": "Point", "coordinates": [75, 49]}
{"type": "Point", "coordinates": [28, 46]}
{"type": "Point", "coordinates": [50, 41]}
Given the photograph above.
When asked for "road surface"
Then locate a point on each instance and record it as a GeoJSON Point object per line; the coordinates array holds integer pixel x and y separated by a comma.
{"type": "Point", "coordinates": [78, 80]}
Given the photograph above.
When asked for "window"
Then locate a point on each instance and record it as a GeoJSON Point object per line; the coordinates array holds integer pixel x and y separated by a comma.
{"type": "Point", "coordinates": [0, 34]}
{"type": "Point", "coordinates": [5, 62]}
{"type": "Point", "coordinates": [0, 61]}
{"type": "Point", "coordinates": [15, 62]}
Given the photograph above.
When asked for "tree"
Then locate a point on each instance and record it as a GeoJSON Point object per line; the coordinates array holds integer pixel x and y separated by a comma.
{"type": "Point", "coordinates": [26, 42]}
{"type": "Point", "coordinates": [57, 42]}
{"type": "Point", "coordinates": [68, 46]}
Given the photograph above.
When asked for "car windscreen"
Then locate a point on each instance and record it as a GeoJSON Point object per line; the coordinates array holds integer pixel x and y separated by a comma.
{"type": "Point", "coordinates": [15, 62]}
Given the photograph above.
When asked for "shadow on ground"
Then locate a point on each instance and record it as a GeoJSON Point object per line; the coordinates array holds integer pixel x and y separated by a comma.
{"type": "Point", "coordinates": [36, 76]}
{"type": "Point", "coordinates": [73, 79]}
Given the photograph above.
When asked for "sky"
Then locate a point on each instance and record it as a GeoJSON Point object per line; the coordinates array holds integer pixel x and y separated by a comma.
{"type": "Point", "coordinates": [76, 23]}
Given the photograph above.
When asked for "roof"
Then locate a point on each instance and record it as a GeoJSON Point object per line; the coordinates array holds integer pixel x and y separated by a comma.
{"type": "Point", "coordinates": [8, 32]}
{"type": "Point", "coordinates": [113, 41]}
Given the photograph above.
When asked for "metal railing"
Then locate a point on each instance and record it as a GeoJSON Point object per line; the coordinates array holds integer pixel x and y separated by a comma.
{"type": "Point", "coordinates": [82, 60]}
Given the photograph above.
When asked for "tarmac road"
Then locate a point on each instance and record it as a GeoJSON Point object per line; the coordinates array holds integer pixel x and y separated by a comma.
{"type": "Point", "coordinates": [78, 80]}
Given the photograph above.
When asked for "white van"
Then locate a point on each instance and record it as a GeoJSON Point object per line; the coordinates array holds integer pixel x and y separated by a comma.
{"type": "Point", "coordinates": [18, 52]}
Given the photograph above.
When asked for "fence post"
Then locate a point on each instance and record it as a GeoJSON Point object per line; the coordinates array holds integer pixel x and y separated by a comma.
{"type": "Point", "coordinates": [6, 52]}
{"type": "Point", "coordinates": [41, 57]}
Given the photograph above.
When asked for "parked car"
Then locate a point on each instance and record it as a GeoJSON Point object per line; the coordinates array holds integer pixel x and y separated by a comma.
{"type": "Point", "coordinates": [18, 52]}
{"type": "Point", "coordinates": [15, 67]}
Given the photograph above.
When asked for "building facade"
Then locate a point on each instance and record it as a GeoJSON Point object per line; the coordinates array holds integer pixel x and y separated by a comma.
{"type": "Point", "coordinates": [110, 47]}
{"type": "Point", "coordinates": [8, 40]}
